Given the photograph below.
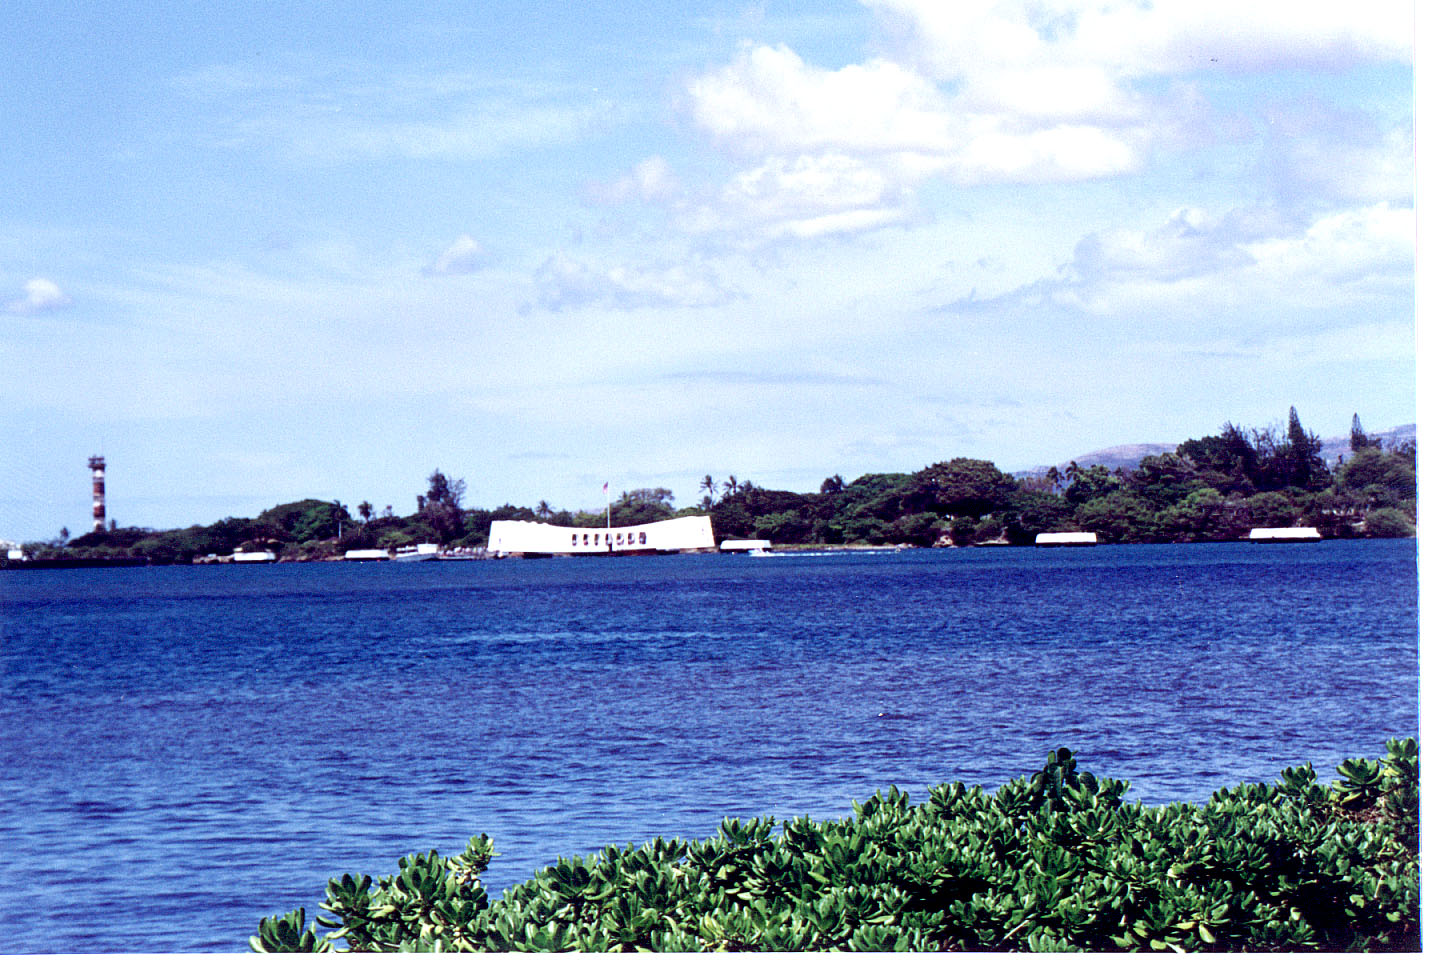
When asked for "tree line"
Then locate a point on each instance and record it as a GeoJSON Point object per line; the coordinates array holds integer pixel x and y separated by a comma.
{"type": "Point", "coordinates": [1212, 488]}
{"type": "Point", "coordinates": [1209, 489]}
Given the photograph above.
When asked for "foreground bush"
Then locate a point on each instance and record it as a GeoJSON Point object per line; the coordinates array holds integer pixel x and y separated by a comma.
{"type": "Point", "coordinates": [1058, 862]}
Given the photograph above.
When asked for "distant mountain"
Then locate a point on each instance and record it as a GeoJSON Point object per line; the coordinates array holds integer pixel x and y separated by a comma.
{"type": "Point", "coordinates": [1336, 447]}
{"type": "Point", "coordinates": [1129, 455]}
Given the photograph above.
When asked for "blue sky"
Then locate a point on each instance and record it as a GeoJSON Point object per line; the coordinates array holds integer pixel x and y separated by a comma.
{"type": "Point", "coordinates": [259, 252]}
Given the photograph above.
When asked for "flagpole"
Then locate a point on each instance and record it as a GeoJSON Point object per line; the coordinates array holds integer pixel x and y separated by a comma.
{"type": "Point", "coordinates": [607, 515]}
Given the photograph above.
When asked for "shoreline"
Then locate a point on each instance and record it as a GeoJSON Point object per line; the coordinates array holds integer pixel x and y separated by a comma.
{"type": "Point", "coordinates": [77, 563]}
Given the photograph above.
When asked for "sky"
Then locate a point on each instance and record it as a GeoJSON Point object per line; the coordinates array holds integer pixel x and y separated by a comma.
{"type": "Point", "coordinates": [252, 253]}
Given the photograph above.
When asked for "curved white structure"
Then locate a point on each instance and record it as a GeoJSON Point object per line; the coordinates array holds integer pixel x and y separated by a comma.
{"type": "Point", "coordinates": [680, 535]}
{"type": "Point", "coordinates": [1062, 539]}
{"type": "Point", "coordinates": [1283, 534]}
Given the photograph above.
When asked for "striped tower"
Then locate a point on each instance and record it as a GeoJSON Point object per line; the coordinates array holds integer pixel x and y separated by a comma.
{"type": "Point", "coordinates": [97, 474]}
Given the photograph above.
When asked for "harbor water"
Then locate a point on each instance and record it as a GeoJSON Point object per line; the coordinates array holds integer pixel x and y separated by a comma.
{"type": "Point", "coordinates": [185, 750]}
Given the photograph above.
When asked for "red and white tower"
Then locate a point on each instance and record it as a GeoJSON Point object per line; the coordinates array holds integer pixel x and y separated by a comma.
{"type": "Point", "coordinates": [97, 473]}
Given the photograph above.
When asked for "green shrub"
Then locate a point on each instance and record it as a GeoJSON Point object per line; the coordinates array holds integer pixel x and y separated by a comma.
{"type": "Point", "coordinates": [1056, 862]}
{"type": "Point", "coordinates": [1388, 522]}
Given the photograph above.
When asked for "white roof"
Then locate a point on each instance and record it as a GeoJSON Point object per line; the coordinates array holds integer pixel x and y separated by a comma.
{"type": "Point", "coordinates": [1284, 533]}
{"type": "Point", "coordinates": [1065, 538]}
{"type": "Point", "coordinates": [745, 545]}
{"type": "Point", "coordinates": [252, 556]}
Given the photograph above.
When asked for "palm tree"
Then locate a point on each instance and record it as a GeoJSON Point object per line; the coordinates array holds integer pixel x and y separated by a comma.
{"type": "Point", "coordinates": [731, 486]}
{"type": "Point", "coordinates": [542, 510]}
{"type": "Point", "coordinates": [366, 510]}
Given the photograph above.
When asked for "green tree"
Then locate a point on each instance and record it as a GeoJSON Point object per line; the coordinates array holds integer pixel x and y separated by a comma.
{"type": "Point", "coordinates": [1118, 517]}
{"type": "Point", "coordinates": [917, 529]}
{"type": "Point", "coordinates": [960, 487]}
{"type": "Point", "coordinates": [730, 520]}
{"type": "Point", "coordinates": [1271, 508]}
{"type": "Point", "coordinates": [320, 521]}
{"type": "Point", "coordinates": [1200, 516]}
{"type": "Point", "coordinates": [645, 505]}
{"type": "Point", "coordinates": [861, 511]}
{"type": "Point", "coordinates": [1388, 522]}
{"type": "Point", "coordinates": [790, 526]}
{"type": "Point", "coordinates": [1307, 468]}
{"type": "Point", "coordinates": [1358, 438]}
{"type": "Point", "coordinates": [1092, 483]}
{"type": "Point", "coordinates": [440, 506]}
{"type": "Point", "coordinates": [1167, 479]}
{"type": "Point", "coordinates": [1033, 512]}
{"type": "Point", "coordinates": [1391, 474]}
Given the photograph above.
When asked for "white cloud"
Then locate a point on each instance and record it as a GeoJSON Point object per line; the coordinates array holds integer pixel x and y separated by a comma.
{"type": "Point", "coordinates": [335, 115]}
{"type": "Point", "coordinates": [41, 295]}
{"type": "Point", "coordinates": [1237, 268]}
{"type": "Point", "coordinates": [650, 180]}
{"type": "Point", "coordinates": [1341, 159]}
{"type": "Point", "coordinates": [849, 143]}
{"type": "Point", "coordinates": [768, 100]}
{"type": "Point", "coordinates": [805, 196]}
{"type": "Point", "coordinates": [1130, 38]}
{"type": "Point", "coordinates": [465, 255]}
{"type": "Point", "coordinates": [1345, 248]}
{"type": "Point", "coordinates": [564, 282]}
{"type": "Point", "coordinates": [1018, 91]}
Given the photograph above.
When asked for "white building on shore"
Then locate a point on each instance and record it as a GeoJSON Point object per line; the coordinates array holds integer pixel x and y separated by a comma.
{"type": "Point", "coordinates": [527, 538]}
{"type": "Point", "coordinates": [1066, 539]}
{"type": "Point", "coordinates": [1283, 534]}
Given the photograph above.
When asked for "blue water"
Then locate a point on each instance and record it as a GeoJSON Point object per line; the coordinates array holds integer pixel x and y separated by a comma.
{"type": "Point", "coordinates": [187, 750]}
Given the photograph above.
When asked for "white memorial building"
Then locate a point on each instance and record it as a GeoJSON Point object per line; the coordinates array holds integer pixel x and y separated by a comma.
{"type": "Point", "coordinates": [527, 538]}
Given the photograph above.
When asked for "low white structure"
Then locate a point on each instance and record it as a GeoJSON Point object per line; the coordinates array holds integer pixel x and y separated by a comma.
{"type": "Point", "coordinates": [1066, 539]}
{"type": "Point", "coordinates": [418, 551]}
{"type": "Point", "coordinates": [527, 538]}
{"type": "Point", "coordinates": [1283, 534]}
{"type": "Point", "coordinates": [253, 556]}
{"type": "Point", "coordinates": [372, 554]}
{"type": "Point", "coordinates": [727, 546]}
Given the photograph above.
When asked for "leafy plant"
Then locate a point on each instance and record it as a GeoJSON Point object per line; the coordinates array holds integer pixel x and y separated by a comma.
{"type": "Point", "coordinates": [1058, 861]}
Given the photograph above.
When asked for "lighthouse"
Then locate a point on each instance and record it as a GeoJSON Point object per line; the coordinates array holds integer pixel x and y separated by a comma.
{"type": "Point", "coordinates": [97, 474]}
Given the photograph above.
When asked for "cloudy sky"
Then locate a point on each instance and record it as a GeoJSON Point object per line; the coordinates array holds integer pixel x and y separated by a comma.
{"type": "Point", "coordinates": [257, 252]}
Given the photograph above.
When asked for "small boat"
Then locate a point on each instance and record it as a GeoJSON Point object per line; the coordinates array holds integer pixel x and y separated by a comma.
{"type": "Point", "coordinates": [462, 553]}
{"type": "Point", "coordinates": [367, 555]}
{"type": "Point", "coordinates": [417, 551]}
{"type": "Point", "coordinates": [253, 556]}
